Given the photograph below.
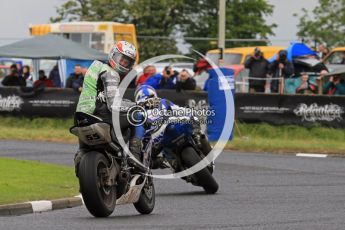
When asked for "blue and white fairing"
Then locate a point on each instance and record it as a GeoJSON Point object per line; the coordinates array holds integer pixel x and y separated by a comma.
{"type": "Point", "coordinates": [168, 129]}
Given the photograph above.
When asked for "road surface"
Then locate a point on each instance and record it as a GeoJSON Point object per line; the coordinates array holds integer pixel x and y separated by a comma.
{"type": "Point", "coordinates": [257, 191]}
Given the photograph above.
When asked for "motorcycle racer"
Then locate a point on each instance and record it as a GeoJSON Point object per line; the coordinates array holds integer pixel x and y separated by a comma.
{"type": "Point", "coordinates": [144, 92]}
{"type": "Point", "coordinates": [101, 92]}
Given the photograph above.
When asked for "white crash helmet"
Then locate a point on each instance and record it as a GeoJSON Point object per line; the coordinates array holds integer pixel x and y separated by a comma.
{"type": "Point", "coordinates": [122, 57]}
{"type": "Point", "coordinates": [143, 92]}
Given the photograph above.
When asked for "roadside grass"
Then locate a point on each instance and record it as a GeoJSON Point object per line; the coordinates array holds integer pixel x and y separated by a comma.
{"type": "Point", "coordinates": [23, 181]}
{"type": "Point", "coordinates": [254, 137]}
{"type": "Point", "coordinates": [288, 139]}
{"type": "Point", "coordinates": [38, 129]}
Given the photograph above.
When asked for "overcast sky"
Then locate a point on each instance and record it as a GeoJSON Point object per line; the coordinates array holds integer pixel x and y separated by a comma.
{"type": "Point", "coordinates": [17, 15]}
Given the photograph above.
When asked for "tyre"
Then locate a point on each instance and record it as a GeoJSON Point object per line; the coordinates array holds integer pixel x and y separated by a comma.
{"type": "Point", "coordinates": [204, 177]}
{"type": "Point", "coordinates": [146, 201]}
{"type": "Point", "coordinates": [99, 198]}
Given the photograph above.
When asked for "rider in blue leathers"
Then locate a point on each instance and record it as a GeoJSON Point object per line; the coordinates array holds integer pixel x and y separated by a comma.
{"type": "Point", "coordinates": [143, 93]}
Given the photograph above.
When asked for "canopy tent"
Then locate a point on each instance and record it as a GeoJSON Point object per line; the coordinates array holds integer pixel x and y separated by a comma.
{"type": "Point", "coordinates": [295, 50]}
{"type": "Point", "coordinates": [51, 47]}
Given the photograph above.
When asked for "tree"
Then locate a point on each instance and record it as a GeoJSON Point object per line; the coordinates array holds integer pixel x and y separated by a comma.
{"type": "Point", "coordinates": [73, 10]}
{"type": "Point", "coordinates": [156, 18]}
{"type": "Point", "coordinates": [166, 18]}
{"type": "Point", "coordinates": [327, 24]}
{"type": "Point", "coordinates": [92, 10]}
{"type": "Point", "coordinates": [244, 19]}
{"type": "Point", "coordinates": [150, 17]}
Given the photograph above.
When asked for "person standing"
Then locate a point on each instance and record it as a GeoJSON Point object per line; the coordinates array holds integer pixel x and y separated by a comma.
{"type": "Point", "coordinates": [280, 68]}
{"type": "Point", "coordinates": [27, 76]}
{"type": "Point", "coordinates": [147, 73]}
{"type": "Point", "coordinates": [322, 50]}
{"type": "Point", "coordinates": [13, 79]}
{"type": "Point", "coordinates": [54, 76]}
{"type": "Point", "coordinates": [76, 79]}
{"type": "Point", "coordinates": [165, 80]}
{"type": "Point", "coordinates": [258, 69]}
{"type": "Point", "coordinates": [185, 81]}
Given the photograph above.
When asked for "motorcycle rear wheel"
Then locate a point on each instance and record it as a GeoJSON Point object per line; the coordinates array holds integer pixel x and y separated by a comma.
{"type": "Point", "coordinates": [99, 198]}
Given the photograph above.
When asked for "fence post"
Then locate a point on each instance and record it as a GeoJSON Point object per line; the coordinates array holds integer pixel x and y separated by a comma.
{"type": "Point", "coordinates": [281, 85]}
{"type": "Point", "coordinates": [243, 88]}
{"type": "Point", "coordinates": [268, 84]}
{"type": "Point", "coordinates": [320, 84]}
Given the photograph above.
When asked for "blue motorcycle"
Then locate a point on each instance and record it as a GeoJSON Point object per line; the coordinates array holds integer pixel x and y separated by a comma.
{"type": "Point", "coordinates": [182, 146]}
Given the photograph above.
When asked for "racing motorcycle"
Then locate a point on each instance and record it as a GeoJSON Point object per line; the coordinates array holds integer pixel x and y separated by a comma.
{"type": "Point", "coordinates": [105, 177]}
{"type": "Point", "coordinates": [182, 147]}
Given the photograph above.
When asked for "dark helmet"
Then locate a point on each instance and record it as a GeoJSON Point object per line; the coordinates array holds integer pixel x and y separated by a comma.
{"type": "Point", "coordinates": [282, 54]}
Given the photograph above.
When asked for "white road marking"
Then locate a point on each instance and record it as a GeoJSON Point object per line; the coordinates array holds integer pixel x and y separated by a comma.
{"type": "Point", "coordinates": [41, 206]}
{"type": "Point", "coordinates": [311, 155]}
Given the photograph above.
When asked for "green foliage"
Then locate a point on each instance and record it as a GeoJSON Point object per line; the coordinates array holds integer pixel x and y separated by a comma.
{"type": "Point", "coordinates": [151, 18]}
{"type": "Point", "coordinates": [155, 18]}
{"type": "Point", "coordinates": [326, 24]}
{"type": "Point", "coordinates": [244, 19]}
{"type": "Point", "coordinates": [73, 10]}
{"type": "Point", "coordinates": [165, 18]}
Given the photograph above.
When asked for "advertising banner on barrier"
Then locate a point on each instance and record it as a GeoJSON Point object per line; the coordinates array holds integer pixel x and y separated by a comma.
{"type": "Point", "coordinates": [44, 103]}
{"type": "Point", "coordinates": [63, 102]}
{"type": "Point", "coordinates": [291, 109]}
{"type": "Point", "coordinates": [274, 109]}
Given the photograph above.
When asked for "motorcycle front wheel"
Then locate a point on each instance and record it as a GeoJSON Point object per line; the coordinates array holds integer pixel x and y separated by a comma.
{"type": "Point", "coordinates": [146, 201]}
{"type": "Point", "coordinates": [204, 177]}
{"type": "Point", "coordinates": [99, 198]}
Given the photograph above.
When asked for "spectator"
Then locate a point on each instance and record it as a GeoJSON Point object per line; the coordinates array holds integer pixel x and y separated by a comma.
{"type": "Point", "coordinates": [166, 80]}
{"type": "Point", "coordinates": [200, 66]}
{"type": "Point", "coordinates": [84, 70]}
{"type": "Point", "coordinates": [42, 81]}
{"type": "Point", "coordinates": [306, 86]}
{"type": "Point", "coordinates": [258, 68]}
{"type": "Point", "coordinates": [76, 79]}
{"type": "Point", "coordinates": [281, 67]}
{"type": "Point", "coordinates": [13, 79]}
{"type": "Point", "coordinates": [185, 81]}
{"type": "Point", "coordinates": [147, 73]}
{"type": "Point", "coordinates": [334, 86]}
{"type": "Point", "coordinates": [27, 76]}
{"type": "Point", "coordinates": [200, 69]}
{"type": "Point", "coordinates": [322, 50]}
{"type": "Point", "coordinates": [54, 76]}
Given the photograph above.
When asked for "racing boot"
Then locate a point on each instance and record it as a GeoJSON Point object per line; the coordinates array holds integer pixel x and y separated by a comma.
{"type": "Point", "coordinates": [135, 147]}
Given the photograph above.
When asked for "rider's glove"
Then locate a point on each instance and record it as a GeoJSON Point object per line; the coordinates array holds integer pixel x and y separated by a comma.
{"type": "Point", "coordinates": [151, 103]}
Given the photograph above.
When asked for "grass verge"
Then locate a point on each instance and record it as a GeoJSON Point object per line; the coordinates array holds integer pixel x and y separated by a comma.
{"type": "Point", "coordinates": [288, 138]}
{"type": "Point", "coordinates": [22, 181]}
{"type": "Point", "coordinates": [38, 129]}
{"type": "Point", "coordinates": [254, 137]}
